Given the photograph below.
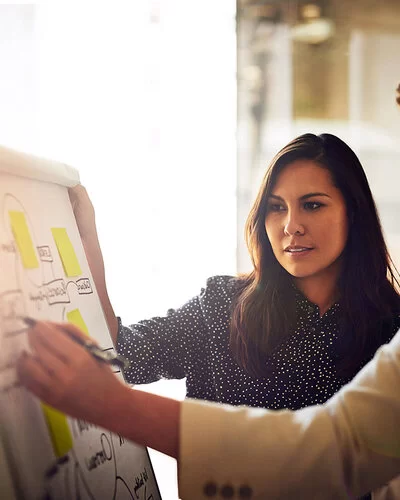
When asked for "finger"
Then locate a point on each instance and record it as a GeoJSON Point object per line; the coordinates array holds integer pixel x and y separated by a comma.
{"type": "Point", "coordinates": [81, 202]}
{"type": "Point", "coordinates": [76, 192]}
{"type": "Point", "coordinates": [51, 337]}
{"type": "Point", "coordinates": [72, 197]}
{"type": "Point", "coordinates": [33, 376]}
{"type": "Point", "coordinates": [49, 361]}
{"type": "Point", "coordinates": [75, 332]}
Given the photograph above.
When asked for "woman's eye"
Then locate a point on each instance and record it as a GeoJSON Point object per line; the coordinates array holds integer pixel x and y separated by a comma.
{"type": "Point", "coordinates": [312, 205]}
{"type": "Point", "coordinates": [275, 207]}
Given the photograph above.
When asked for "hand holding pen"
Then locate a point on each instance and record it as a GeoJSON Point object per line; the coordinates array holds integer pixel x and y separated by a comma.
{"type": "Point", "coordinates": [105, 356]}
{"type": "Point", "coordinates": [65, 370]}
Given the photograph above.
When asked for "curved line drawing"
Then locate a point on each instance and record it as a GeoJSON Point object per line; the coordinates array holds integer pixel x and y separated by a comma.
{"type": "Point", "coordinates": [115, 466]}
{"type": "Point", "coordinates": [119, 478]}
{"type": "Point", "coordinates": [67, 479]}
{"type": "Point", "coordinates": [71, 282]}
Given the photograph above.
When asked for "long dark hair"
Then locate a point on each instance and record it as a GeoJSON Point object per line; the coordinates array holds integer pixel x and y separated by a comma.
{"type": "Point", "coordinates": [264, 310]}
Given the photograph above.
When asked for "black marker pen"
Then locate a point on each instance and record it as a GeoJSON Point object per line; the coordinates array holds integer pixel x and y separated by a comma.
{"type": "Point", "coordinates": [105, 356]}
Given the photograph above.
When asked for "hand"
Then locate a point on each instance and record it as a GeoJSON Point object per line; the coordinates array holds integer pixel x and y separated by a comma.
{"type": "Point", "coordinates": [64, 375]}
{"type": "Point", "coordinates": [85, 220]}
{"type": "Point", "coordinates": [83, 211]}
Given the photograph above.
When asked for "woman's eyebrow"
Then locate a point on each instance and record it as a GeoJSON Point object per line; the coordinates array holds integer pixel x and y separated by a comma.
{"type": "Point", "coordinates": [310, 195]}
{"type": "Point", "coordinates": [303, 197]}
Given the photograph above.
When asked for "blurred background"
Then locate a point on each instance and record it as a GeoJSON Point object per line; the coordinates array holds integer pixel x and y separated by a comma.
{"type": "Point", "coordinates": [172, 109]}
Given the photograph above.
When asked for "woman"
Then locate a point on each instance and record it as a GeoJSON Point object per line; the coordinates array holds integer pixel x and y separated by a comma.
{"type": "Point", "coordinates": [320, 300]}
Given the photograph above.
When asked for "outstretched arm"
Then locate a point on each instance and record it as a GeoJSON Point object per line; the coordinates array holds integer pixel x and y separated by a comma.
{"type": "Point", "coordinates": [85, 219]}
{"type": "Point", "coordinates": [340, 450]}
{"type": "Point", "coordinates": [343, 449]}
{"type": "Point", "coordinates": [64, 375]}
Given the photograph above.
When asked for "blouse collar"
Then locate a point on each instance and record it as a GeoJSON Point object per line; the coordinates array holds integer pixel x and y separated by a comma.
{"type": "Point", "coordinates": [304, 305]}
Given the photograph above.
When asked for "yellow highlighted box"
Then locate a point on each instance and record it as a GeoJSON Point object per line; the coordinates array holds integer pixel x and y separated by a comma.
{"type": "Point", "coordinates": [66, 252]}
{"type": "Point", "coordinates": [59, 430]}
{"type": "Point", "coordinates": [23, 239]}
{"type": "Point", "coordinates": [75, 317]}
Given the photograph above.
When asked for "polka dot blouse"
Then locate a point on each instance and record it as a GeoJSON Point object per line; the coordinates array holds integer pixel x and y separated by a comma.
{"type": "Point", "coordinates": [193, 342]}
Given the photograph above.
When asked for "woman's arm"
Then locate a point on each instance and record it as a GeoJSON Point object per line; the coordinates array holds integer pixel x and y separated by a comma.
{"type": "Point", "coordinates": [161, 347]}
{"type": "Point", "coordinates": [64, 375]}
{"type": "Point", "coordinates": [343, 449]}
{"type": "Point", "coordinates": [85, 219]}
{"type": "Point", "coordinates": [340, 450]}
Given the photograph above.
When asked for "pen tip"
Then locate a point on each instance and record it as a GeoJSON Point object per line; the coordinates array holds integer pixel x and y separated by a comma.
{"type": "Point", "coordinates": [29, 321]}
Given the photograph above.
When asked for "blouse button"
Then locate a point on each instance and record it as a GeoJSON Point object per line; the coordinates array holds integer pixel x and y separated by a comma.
{"type": "Point", "coordinates": [227, 491]}
{"type": "Point", "coordinates": [310, 309]}
{"type": "Point", "coordinates": [245, 491]}
{"type": "Point", "coordinates": [210, 489]}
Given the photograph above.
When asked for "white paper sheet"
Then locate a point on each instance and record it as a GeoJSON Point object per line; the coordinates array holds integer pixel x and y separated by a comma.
{"type": "Point", "coordinates": [33, 167]}
{"type": "Point", "coordinates": [99, 465]}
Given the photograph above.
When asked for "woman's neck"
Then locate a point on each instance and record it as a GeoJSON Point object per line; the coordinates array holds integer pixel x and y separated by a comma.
{"type": "Point", "coordinates": [320, 290]}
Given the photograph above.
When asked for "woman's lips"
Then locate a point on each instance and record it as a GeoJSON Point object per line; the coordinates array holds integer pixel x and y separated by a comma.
{"type": "Point", "coordinates": [298, 251]}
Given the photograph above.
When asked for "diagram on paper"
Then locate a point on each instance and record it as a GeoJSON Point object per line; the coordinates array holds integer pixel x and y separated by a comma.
{"type": "Point", "coordinates": [46, 276]}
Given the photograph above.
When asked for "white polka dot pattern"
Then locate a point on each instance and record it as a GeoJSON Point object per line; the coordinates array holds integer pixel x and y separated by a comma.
{"type": "Point", "coordinates": [193, 342]}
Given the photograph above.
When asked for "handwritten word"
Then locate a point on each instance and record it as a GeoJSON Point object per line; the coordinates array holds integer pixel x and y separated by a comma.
{"type": "Point", "coordinates": [8, 247]}
{"type": "Point", "coordinates": [84, 286]}
{"type": "Point", "coordinates": [45, 254]}
{"type": "Point", "coordinates": [101, 456]}
{"type": "Point", "coordinates": [140, 481]}
{"type": "Point", "coordinates": [83, 426]}
{"type": "Point", "coordinates": [11, 307]}
{"type": "Point", "coordinates": [56, 292]}
{"type": "Point", "coordinates": [37, 298]}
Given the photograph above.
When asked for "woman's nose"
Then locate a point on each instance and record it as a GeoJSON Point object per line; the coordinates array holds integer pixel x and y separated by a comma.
{"type": "Point", "coordinates": [293, 225]}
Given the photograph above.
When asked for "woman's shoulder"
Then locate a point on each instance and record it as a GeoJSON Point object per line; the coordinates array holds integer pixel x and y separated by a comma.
{"type": "Point", "coordinates": [216, 301]}
{"type": "Point", "coordinates": [222, 280]}
{"type": "Point", "coordinates": [220, 287]}
{"type": "Point", "coordinates": [221, 283]}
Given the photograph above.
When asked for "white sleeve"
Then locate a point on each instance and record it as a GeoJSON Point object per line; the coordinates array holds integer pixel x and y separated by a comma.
{"type": "Point", "coordinates": [343, 449]}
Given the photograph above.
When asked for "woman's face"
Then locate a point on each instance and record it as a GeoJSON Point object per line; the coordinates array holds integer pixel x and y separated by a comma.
{"type": "Point", "coordinates": [306, 221]}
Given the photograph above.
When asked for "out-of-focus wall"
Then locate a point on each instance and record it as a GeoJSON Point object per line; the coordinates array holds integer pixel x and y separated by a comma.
{"type": "Point", "coordinates": [19, 92]}
{"type": "Point", "coordinates": [344, 84]}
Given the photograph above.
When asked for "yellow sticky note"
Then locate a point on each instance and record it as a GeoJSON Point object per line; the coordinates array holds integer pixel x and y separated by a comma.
{"type": "Point", "coordinates": [75, 317]}
{"type": "Point", "coordinates": [66, 252]}
{"type": "Point", "coordinates": [59, 430]}
{"type": "Point", "coordinates": [23, 239]}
